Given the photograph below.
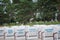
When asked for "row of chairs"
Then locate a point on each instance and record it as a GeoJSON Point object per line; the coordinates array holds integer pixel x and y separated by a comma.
{"type": "Point", "coordinates": [26, 32]}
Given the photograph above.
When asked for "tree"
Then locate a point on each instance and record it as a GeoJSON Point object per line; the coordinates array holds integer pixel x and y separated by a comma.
{"type": "Point", "coordinates": [22, 10]}
{"type": "Point", "coordinates": [48, 7]}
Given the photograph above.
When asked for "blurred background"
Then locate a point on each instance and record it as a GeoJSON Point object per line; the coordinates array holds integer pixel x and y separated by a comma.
{"type": "Point", "coordinates": [16, 12]}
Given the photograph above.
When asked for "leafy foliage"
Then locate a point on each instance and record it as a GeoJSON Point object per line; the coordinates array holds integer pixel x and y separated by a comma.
{"type": "Point", "coordinates": [23, 10]}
